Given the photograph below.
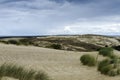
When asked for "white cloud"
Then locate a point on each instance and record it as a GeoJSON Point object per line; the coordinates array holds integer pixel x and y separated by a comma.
{"type": "Point", "coordinates": [110, 28]}
{"type": "Point", "coordinates": [90, 28]}
{"type": "Point", "coordinates": [67, 29]}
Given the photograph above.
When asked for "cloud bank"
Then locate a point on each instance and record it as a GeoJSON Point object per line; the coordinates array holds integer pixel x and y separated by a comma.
{"type": "Point", "coordinates": [52, 17]}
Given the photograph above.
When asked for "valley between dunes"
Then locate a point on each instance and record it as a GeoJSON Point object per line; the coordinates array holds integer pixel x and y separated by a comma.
{"type": "Point", "coordinates": [59, 64]}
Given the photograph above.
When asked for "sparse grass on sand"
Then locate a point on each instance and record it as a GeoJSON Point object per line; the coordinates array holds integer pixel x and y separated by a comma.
{"type": "Point", "coordinates": [58, 64]}
{"type": "Point", "coordinates": [19, 72]}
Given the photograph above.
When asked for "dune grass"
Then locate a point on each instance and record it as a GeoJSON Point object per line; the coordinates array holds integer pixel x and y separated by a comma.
{"type": "Point", "coordinates": [106, 51]}
{"type": "Point", "coordinates": [109, 67]}
{"type": "Point", "coordinates": [19, 72]}
{"type": "Point", "coordinates": [88, 60]}
{"type": "Point", "coordinates": [41, 76]}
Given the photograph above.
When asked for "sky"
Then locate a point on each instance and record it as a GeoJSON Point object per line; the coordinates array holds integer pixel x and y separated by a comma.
{"type": "Point", "coordinates": [56, 17]}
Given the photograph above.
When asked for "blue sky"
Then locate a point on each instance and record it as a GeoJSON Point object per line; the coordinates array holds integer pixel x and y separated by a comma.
{"type": "Point", "coordinates": [52, 17]}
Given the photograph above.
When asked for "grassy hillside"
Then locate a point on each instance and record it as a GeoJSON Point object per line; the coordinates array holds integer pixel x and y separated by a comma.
{"type": "Point", "coordinates": [70, 43]}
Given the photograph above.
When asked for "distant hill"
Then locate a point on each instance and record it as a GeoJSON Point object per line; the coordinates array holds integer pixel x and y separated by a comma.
{"type": "Point", "coordinates": [88, 42]}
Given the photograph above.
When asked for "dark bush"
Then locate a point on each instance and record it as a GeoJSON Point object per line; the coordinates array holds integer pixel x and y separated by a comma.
{"type": "Point", "coordinates": [117, 47]}
{"type": "Point", "coordinates": [88, 60]}
{"type": "Point", "coordinates": [25, 42]}
{"type": "Point", "coordinates": [5, 42]}
{"type": "Point", "coordinates": [56, 46]}
{"type": "Point", "coordinates": [13, 42]}
{"type": "Point", "coordinates": [106, 51]}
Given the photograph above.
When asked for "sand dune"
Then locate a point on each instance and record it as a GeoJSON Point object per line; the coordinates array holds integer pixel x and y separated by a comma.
{"type": "Point", "coordinates": [60, 65]}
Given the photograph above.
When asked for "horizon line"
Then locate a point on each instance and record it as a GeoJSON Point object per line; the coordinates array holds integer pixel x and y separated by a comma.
{"type": "Point", "coordinates": [10, 36]}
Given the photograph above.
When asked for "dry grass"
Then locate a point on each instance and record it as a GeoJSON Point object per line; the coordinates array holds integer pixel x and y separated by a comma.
{"type": "Point", "coordinates": [60, 65]}
{"type": "Point", "coordinates": [19, 72]}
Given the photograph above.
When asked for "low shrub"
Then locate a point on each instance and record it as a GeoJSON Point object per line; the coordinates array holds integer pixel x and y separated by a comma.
{"type": "Point", "coordinates": [109, 67]}
{"type": "Point", "coordinates": [5, 42]}
{"type": "Point", "coordinates": [88, 60]}
{"type": "Point", "coordinates": [56, 46]}
{"type": "Point", "coordinates": [13, 42]}
{"type": "Point", "coordinates": [103, 63]}
{"type": "Point", "coordinates": [106, 51]}
{"type": "Point", "coordinates": [118, 70]}
{"type": "Point", "coordinates": [25, 42]}
{"type": "Point", "coordinates": [113, 56]}
{"type": "Point", "coordinates": [106, 69]}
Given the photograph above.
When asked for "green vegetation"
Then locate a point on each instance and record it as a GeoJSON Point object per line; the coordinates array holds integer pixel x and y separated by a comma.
{"type": "Point", "coordinates": [103, 63]}
{"type": "Point", "coordinates": [113, 72]}
{"type": "Point", "coordinates": [88, 60]}
{"type": "Point", "coordinates": [18, 72]}
{"type": "Point", "coordinates": [113, 56]}
{"type": "Point", "coordinates": [56, 46]}
{"type": "Point", "coordinates": [18, 42]}
{"type": "Point", "coordinates": [70, 43]}
{"type": "Point", "coordinates": [106, 51]}
{"type": "Point", "coordinates": [41, 76]}
{"type": "Point", "coordinates": [5, 42]}
{"type": "Point", "coordinates": [13, 42]}
{"type": "Point", "coordinates": [109, 67]}
{"type": "Point", "coordinates": [26, 42]}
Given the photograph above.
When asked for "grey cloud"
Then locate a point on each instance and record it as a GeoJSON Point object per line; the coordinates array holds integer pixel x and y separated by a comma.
{"type": "Point", "coordinates": [46, 16]}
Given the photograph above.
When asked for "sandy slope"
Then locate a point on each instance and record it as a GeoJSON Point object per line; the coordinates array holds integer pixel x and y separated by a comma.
{"type": "Point", "coordinates": [60, 65]}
